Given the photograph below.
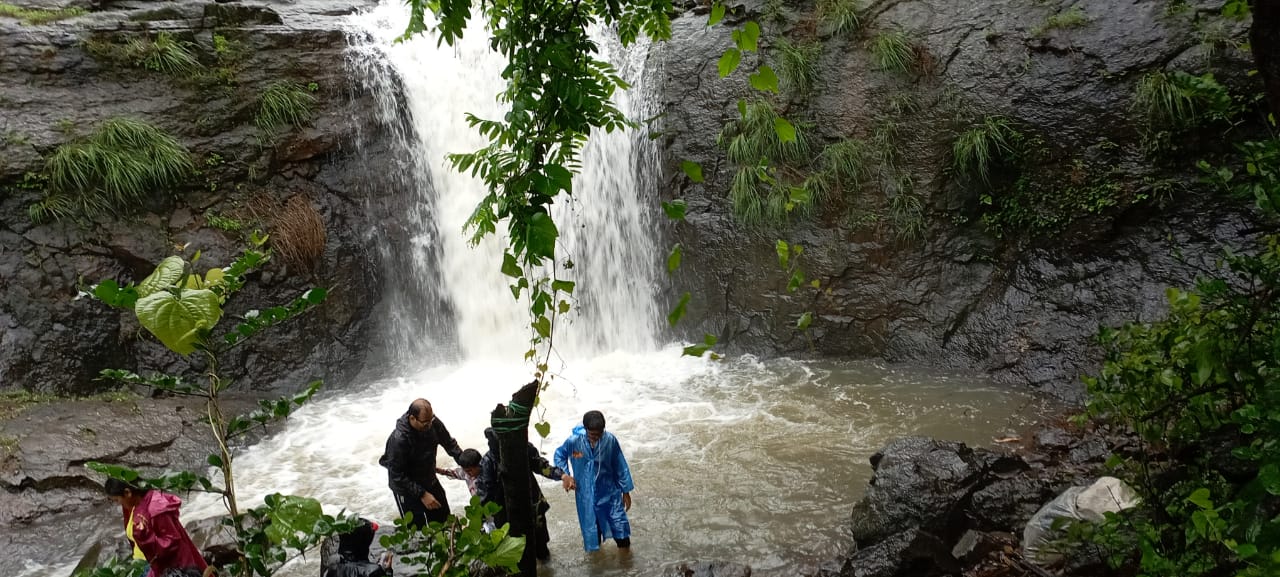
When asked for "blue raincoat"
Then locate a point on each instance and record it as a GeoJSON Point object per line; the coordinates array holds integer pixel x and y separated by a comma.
{"type": "Point", "coordinates": [602, 476]}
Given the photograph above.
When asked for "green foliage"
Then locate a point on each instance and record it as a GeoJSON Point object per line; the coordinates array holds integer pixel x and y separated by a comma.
{"type": "Point", "coordinates": [1074, 17]}
{"type": "Point", "coordinates": [37, 16]}
{"type": "Point", "coordinates": [1176, 101]}
{"type": "Point", "coordinates": [906, 214]}
{"type": "Point", "coordinates": [1201, 389]}
{"type": "Point", "coordinates": [447, 549]}
{"type": "Point", "coordinates": [165, 54]}
{"type": "Point", "coordinates": [113, 170]}
{"type": "Point", "coordinates": [983, 146]}
{"type": "Point", "coordinates": [893, 50]}
{"type": "Point", "coordinates": [1045, 202]}
{"type": "Point", "coordinates": [284, 104]}
{"type": "Point", "coordinates": [222, 222]}
{"type": "Point", "coordinates": [1260, 178]}
{"type": "Point", "coordinates": [183, 309]}
{"type": "Point", "coordinates": [754, 143]}
{"type": "Point", "coordinates": [840, 17]}
{"type": "Point", "coordinates": [840, 169]}
{"type": "Point", "coordinates": [797, 63]}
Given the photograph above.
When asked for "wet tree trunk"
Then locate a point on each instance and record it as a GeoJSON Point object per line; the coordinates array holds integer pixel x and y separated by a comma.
{"type": "Point", "coordinates": [1264, 36]}
{"type": "Point", "coordinates": [511, 424]}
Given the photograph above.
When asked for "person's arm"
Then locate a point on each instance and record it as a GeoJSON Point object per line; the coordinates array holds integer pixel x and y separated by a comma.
{"type": "Point", "coordinates": [446, 441]}
{"type": "Point", "coordinates": [450, 473]}
{"type": "Point", "coordinates": [486, 484]}
{"type": "Point", "coordinates": [562, 463]}
{"type": "Point", "coordinates": [538, 464]}
{"type": "Point", "coordinates": [396, 460]}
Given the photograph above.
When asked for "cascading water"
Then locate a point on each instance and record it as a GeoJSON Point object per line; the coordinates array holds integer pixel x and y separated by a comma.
{"type": "Point", "coordinates": [740, 460]}
{"type": "Point", "coordinates": [605, 226]}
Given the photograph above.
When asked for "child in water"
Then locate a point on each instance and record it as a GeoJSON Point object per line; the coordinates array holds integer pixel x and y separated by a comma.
{"type": "Point", "coordinates": [468, 470]}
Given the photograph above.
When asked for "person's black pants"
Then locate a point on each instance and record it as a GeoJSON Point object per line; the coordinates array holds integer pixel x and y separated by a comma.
{"type": "Point", "coordinates": [414, 505]}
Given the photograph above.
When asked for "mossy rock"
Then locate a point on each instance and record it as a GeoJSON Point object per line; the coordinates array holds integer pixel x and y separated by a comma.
{"type": "Point", "coordinates": [237, 15]}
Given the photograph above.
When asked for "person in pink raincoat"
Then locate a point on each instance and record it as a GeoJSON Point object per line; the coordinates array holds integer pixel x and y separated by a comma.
{"type": "Point", "coordinates": [152, 526]}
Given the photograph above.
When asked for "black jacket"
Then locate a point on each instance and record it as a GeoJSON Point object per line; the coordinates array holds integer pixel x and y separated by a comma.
{"type": "Point", "coordinates": [489, 485]}
{"type": "Point", "coordinates": [410, 457]}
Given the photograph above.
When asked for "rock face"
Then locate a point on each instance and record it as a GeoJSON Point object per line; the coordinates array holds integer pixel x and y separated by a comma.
{"type": "Point", "coordinates": [1024, 306]}
{"type": "Point", "coordinates": [63, 79]}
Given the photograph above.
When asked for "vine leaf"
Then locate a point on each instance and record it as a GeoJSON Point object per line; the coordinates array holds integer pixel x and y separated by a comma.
{"type": "Point", "coordinates": [678, 312]}
{"type": "Point", "coordinates": [766, 80]}
{"type": "Point", "coordinates": [717, 14]}
{"type": "Point", "coordinates": [179, 318]}
{"type": "Point", "coordinates": [675, 209]}
{"type": "Point", "coordinates": [805, 319]}
{"type": "Point", "coordinates": [729, 62]}
{"type": "Point", "coordinates": [673, 259]}
{"type": "Point", "coordinates": [786, 132]}
{"type": "Point", "coordinates": [692, 169]}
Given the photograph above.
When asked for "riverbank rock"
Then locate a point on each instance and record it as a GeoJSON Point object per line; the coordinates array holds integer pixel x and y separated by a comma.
{"type": "Point", "coordinates": [940, 507]}
{"type": "Point", "coordinates": [53, 507]}
{"type": "Point", "coordinates": [706, 569]}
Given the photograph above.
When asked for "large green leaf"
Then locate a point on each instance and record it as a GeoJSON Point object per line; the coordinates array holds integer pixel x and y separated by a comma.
{"type": "Point", "coordinates": [729, 62]}
{"type": "Point", "coordinates": [678, 313]}
{"type": "Point", "coordinates": [542, 238]}
{"type": "Point", "coordinates": [167, 274]}
{"type": "Point", "coordinates": [717, 14]}
{"type": "Point", "coordinates": [177, 319]}
{"type": "Point", "coordinates": [507, 554]}
{"type": "Point", "coordinates": [290, 515]}
{"type": "Point", "coordinates": [765, 80]}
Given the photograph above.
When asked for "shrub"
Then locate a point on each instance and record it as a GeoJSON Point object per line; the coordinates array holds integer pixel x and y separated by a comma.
{"type": "Point", "coordinates": [284, 104]}
{"type": "Point", "coordinates": [39, 16]}
{"type": "Point", "coordinates": [798, 65]}
{"type": "Point", "coordinates": [113, 170]}
{"type": "Point", "coordinates": [840, 17]}
{"type": "Point", "coordinates": [893, 51]}
{"type": "Point", "coordinates": [984, 145]}
{"type": "Point", "coordinates": [298, 235]}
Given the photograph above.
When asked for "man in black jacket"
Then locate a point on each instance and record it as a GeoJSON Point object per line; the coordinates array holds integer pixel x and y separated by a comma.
{"type": "Point", "coordinates": [410, 459]}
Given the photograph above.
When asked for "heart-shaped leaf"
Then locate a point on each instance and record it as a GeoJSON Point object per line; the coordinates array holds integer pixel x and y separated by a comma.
{"type": "Point", "coordinates": [177, 319]}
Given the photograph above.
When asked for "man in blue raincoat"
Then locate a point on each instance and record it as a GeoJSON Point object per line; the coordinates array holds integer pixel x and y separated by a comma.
{"type": "Point", "coordinates": [602, 481]}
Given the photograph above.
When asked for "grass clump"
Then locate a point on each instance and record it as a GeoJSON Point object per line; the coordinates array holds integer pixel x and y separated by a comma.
{"type": "Point", "coordinates": [284, 104]}
{"type": "Point", "coordinates": [893, 51]}
{"type": "Point", "coordinates": [113, 170]}
{"type": "Point", "coordinates": [984, 145]}
{"type": "Point", "coordinates": [298, 234]}
{"type": "Point", "coordinates": [165, 54]}
{"type": "Point", "coordinates": [1177, 100]}
{"type": "Point", "coordinates": [1073, 17]}
{"type": "Point", "coordinates": [840, 169]}
{"type": "Point", "coordinates": [797, 65]}
{"type": "Point", "coordinates": [752, 143]}
{"type": "Point", "coordinates": [906, 213]}
{"type": "Point", "coordinates": [37, 16]}
{"type": "Point", "coordinates": [839, 17]}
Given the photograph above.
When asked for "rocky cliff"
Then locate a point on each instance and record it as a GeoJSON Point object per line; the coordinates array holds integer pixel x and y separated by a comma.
{"type": "Point", "coordinates": [203, 73]}
{"type": "Point", "coordinates": [915, 262]}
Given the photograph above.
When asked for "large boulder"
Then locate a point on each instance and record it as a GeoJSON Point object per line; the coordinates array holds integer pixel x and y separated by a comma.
{"type": "Point", "coordinates": [919, 482]}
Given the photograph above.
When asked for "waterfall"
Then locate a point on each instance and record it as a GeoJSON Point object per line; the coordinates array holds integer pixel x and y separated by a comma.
{"type": "Point", "coordinates": [451, 296]}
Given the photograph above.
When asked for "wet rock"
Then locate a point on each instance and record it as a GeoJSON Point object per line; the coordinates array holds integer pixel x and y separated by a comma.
{"type": "Point", "coordinates": [1053, 438]}
{"type": "Point", "coordinates": [957, 297]}
{"type": "Point", "coordinates": [706, 569]}
{"type": "Point", "coordinates": [1089, 450]}
{"type": "Point", "coordinates": [1007, 504]}
{"type": "Point", "coordinates": [911, 553]}
{"type": "Point", "coordinates": [918, 482]}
